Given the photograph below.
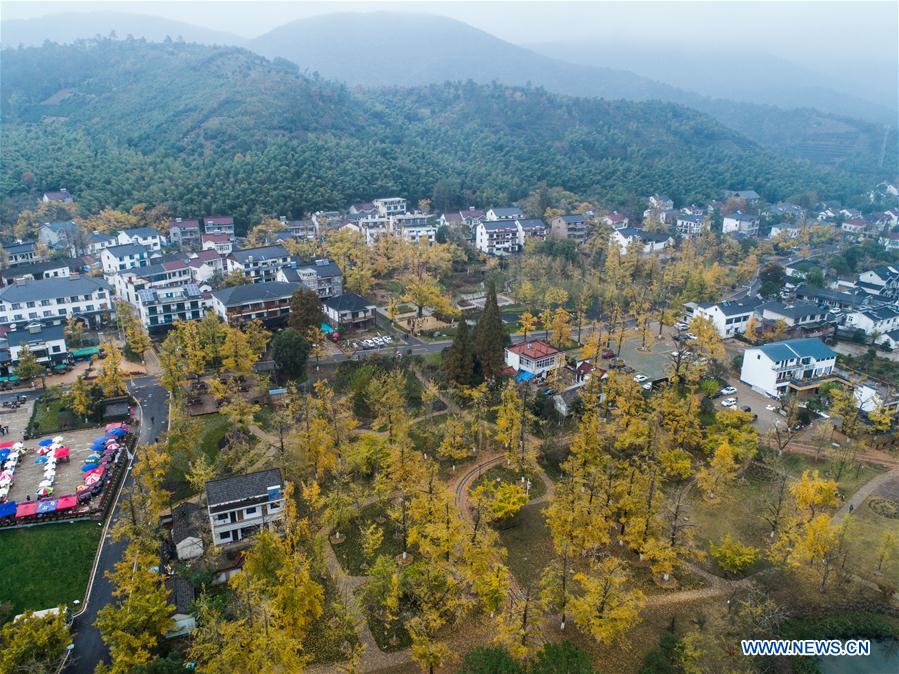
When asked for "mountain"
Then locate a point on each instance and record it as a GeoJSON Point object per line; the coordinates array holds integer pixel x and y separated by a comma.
{"type": "Point", "coordinates": [739, 75]}
{"type": "Point", "coordinates": [220, 129]}
{"type": "Point", "coordinates": [70, 26]}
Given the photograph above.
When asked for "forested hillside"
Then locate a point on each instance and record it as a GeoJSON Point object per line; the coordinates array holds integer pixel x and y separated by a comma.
{"type": "Point", "coordinates": [210, 129]}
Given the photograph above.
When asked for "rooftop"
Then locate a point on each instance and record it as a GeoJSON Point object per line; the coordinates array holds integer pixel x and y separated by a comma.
{"type": "Point", "coordinates": [260, 253]}
{"type": "Point", "coordinates": [348, 302]}
{"type": "Point", "coordinates": [236, 296]}
{"type": "Point", "coordinates": [797, 348]}
{"type": "Point", "coordinates": [126, 250]}
{"type": "Point", "coordinates": [51, 288]}
{"type": "Point", "coordinates": [239, 487]}
{"type": "Point", "coordinates": [533, 349]}
{"type": "Point", "coordinates": [40, 333]}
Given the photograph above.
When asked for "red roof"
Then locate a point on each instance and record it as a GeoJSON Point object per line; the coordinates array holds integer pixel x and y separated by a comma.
{"type": "Point", "coordinates": [533, 349]}
{"type": "Point", "coordinates": [217, 237]}
{"type": "Point", "coordinates": [218, 220]}
{"type": "Point", "coordinates": [66, 502]}
{"type": "Point", "coordinates": [26, 509]}
{"type": "Point", "coordinates": [856, 221]}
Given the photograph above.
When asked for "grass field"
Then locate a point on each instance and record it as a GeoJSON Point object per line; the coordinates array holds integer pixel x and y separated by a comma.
{"type": "Point", "coordinates": [528, 543]}
{"type": "Point", "coordinates": [349, 552]}
{"type": "Point", "coordinates": [739, 511]}
{"type": "Point", "coordinates": [214, 428]}
{"type": "Point", "coordinates": [47, 565]}
{"type": "Point", "coordinates": [52, 413]}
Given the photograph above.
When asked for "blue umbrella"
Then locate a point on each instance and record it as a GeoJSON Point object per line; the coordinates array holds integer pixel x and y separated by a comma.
{"type": "Point", "coordinates": [41, 459]}
{"type": "Point", "coordinates": [46, 442]}
{"type": "Point", "coordinates": [88, 466]}
{"type": "Point", "coordinates": [96, 440]}
{"type": "Point", "coordinates": [92, 457]}
{"type": "Point", "coordinates": [4, 455]}
{"type": "Point", "coordinates": [117, 432]}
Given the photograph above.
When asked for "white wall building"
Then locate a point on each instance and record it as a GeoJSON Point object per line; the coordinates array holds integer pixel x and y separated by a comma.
{"type": "Point", "coordinates": [119, 258]}
{"type": "Point", "coordinates": [241, 505]}
{"type": "Point", "coordinates": [144, 236]}
{"type": "Point", "coordinates": [772, 368]}
{"type": "Point", "coordinates": [534, 357]}
{"type": "Point", "coordinates": [53, 300]}
{"type": "Point", "coordinates": [729, 318]}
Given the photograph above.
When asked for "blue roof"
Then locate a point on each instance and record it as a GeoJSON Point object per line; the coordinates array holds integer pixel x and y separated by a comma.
{"type": "Point", "coordinates": [524, 376]}
{"type": "Point", "coordinates": [798, 348]}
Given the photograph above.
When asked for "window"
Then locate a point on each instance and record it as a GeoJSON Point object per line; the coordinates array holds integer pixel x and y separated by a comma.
{"type": "Point", "coordinates": [57, 349]}
{"type": "Point", "coordinates": [30, 305]}
{"type": "Point", "coordinates": [225, 536]}
{"type": "Point", "coordinates": [222, 517]}
{"type": "Point", "coordinates": [250, 511]}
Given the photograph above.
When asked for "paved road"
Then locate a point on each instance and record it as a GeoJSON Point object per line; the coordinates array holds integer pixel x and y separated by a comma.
{"type": "Point", "coordinates": [89, 648]}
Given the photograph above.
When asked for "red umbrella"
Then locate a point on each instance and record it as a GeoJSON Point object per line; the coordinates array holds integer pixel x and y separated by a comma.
{"type": "Point", "coordinates": [8, 443]}
{"type": "Point", "coordinates": [91, 479]}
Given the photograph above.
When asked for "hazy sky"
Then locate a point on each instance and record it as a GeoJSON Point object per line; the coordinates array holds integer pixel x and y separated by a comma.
{"type": "Point", "coordinates": [802, 31]}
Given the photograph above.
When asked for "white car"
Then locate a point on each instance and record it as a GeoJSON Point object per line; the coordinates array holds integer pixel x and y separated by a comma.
{"type": "Point", "coordinates": [729, 402]}
{"type": "Point", "coordinates": [728, 391]}
{"type": "Point", "coordinates": [681, 325]}
{"type": "Point", "coordinates": [690, 335]}
{"type": "Point", "coordinates": [640, 378]}
{"type": "Point", "coordinates": [647, 386]}
{"type": "Point", "coordinates": [771, 408]}
{"type": "Point", "coordinates": [387, 339]}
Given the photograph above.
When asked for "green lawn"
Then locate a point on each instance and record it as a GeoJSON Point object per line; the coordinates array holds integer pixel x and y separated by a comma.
{"type": "Point", "coordinates": [528, 543]}
{"type": "Point", "coordinates": [51, 414]}
{"type": "Point", "coordinates": [865, 531]}
{"type": "Point", "coordinates": [349, 552]}
{"type": "Point", "coordinates": [214, 428]}
{"type": "Point", "coordinates": [739, 511]}
{"type": "Point", "coordinates": [46, 565]}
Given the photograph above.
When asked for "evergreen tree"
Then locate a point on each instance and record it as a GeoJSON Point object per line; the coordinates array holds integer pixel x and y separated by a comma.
{"type": "Point", "coordinates": [490, 338]}
{"type": "Point", "coordinates": [458, 359]}
{"type": "Point", "coordinates": [305, 310]}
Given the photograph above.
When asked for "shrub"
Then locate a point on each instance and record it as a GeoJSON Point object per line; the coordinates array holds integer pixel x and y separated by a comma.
{"type": "Point", "coordinates": [733, 556]}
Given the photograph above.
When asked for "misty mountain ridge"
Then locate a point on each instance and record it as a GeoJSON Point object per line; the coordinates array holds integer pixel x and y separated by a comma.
{"type": "Point", "coordinates": [425, 49]}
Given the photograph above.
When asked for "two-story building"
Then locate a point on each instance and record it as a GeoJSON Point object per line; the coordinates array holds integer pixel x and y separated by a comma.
{"type": "Point", "coordinates": [390, 206]}
{"type": "Point", "coordinates": [796, 364]}
{"type": "Point", "coordinates": [728, 317]}
{"type": "Point", "coordinates": [348, 312]}
{"type": "Point", "coordinates": [159, 308]}
{"type": "Point", "coordinates": [46, 342]}
{"type": "Point", "coordinates": [413, 227]}
{"type": "Point", "coordinates": [301, 230]}
{"type": "Point", "coordinates": [794, 314]}
{"type": "Point", "coordinates": [63, 235]}
{"type": "Point", "coordinates": [258, 264]}
{"type": "Point", "coordinates": [572, 227]}
{"type": "Point", "coordinates": [530, 228]}
{"type": "Point", "coordinates": [185, 232]}
{"type": "Point", "coordinates": [219, 224]}
{"type": "Point", "coordinates": [36, 271]}
{"type": "Point", "coordinates": [220, 242]}
{"type": "Point", "coordinates": [205, 265]}
{"type": "Point", "coordinates": [61, 196]}
{"type": "Point", "coordinates": [497, 237]}
{"type": "Point", "coordinates": [740, 223]}
{"type": "Point", "coordinates": [116, 259]}
{"type": "Point", "coordinates": [143, 236]}
{"type": "Point", "coordinates": [534, 357]}
{"type": "Point", "coordinates": [503, 213]}
{"type": "Point", "coordinates": [96, 242]}
{"type": "Point", "coordinates": [53, 300]}
{"type": "Point", "coordinates": [268, 301]}
{"type": "Point", "coordinates": [322, 276]}
{"type": "Point", "coordinates": [241, 505]}
{"type": "Point", "coordinates": [165, 274]}
{"type": "Point", "coordinates": [690, 224]}
{"type": "Point", "coordinates": [649, 242]}
{"type": "Point", "coordinates": [21, 253]}
{"type": "Point", "coordinates": [876, 321]}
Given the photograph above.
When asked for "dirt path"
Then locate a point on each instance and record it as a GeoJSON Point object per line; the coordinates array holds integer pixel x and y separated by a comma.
{"type": "Point", "coordinates": [879, 459]}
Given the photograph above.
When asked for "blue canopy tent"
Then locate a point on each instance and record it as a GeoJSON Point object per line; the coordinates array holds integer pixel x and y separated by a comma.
{"type": "Point", "coordinates": [4, 455]}
{"type": "Point", "coordinates": [8, 509]}
{"type": "Point", "coordinates": [46, 442]}
{"type": "Point", "coordinates": [46, 506]}
{"type": "Point", "coordinates": [88, 466]}
{"type": "Point", "coordinates": [524, 376]}
{"type": "Point", "coordinates": [117, 432]}
{"type": "Point", "coordinates": [327, 329]}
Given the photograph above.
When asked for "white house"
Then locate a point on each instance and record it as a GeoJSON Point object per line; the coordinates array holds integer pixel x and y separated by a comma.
{"type": "Point", "coordinates": [890, 241]}
{"type": "Point", "coordinates": [795, 314]}
{"type": "Point", "coordinates": [258, 264]}
{"type": "Point", "coordinates": [650, 242]}
{"type": "Point", "coordinates": [498, 237]}
{"type": "Point", "coordinates": [205, 265]}
{"type": "Point", "coordinates": [219, 224]}
{"type": "Point", "coordinates": [388, 206]}
{"type": "Point", "coordinates": [46, 342]}
{"type": "Point", "coordinates": [875, 320]}
{"type": "Point", "coordinates": [506, 213]}
{"type": "Point", "coordinates": [797, 363]}
{"type": "Point", "coordinates": [21, 253]}
{"type": "Point", "coordinates": [159, 308]}
{"type": "Point", "coordinates": [413, 227]}
{"type": "Point", "coordinates": [785, 230]}
{"type": "Point", "coordinates": [62, 196]}
{"type": "Point", "coordinates": [119, 258]}
{"type": "Point", "coordinates": [322, 276]}
{"type": "Point", "coordinates": [186, 535]}
{"type": "Point", "coordinates": [96, 242]}
{"type": "Point", "coordinates": [741, 223]}
{"type": "Point", "coordinates": [534, 357]}
{"type": "Point", "coordinates": [661, 202]}
{"type": "Point", "coordinates": [181, 598]}
{"type": "Point", "coordinates": [169, 273]}
{"type": "Point", "coordinates": [53, 300]}
{"type": "Point", "coordinates": [144, 236]}
{"type": "Point", "coordinates": [349, 311]}
{"type": "Point", "coordinates": [530, 228]}
{"type": "Point", "coordinates": [241, 505]}
{"type": "Point", "coordinates": [728, 317]}
{"type": "Point", "coordinates": [690, 224]}
{"type": "Point", "coordinates": [185, 232]}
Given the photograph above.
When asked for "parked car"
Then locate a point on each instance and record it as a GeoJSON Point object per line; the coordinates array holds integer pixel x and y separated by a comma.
{"type": "Point", "coordinates": [388, 339]}
{"type": "Point", "coordinates": [729, 402]}
{"type": "Point", "coordinates": [608, 353]}
{"type": "Point", "coordinates": [640, 378]}
{"type": "Point", "coordinates": [647, 386]}
{"type": "Point", "coordinates": [690, 335]}
{"type": "Point", "coordinates": [728, 391]}
{"type": "Point", "coordinates": [680, 325]}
